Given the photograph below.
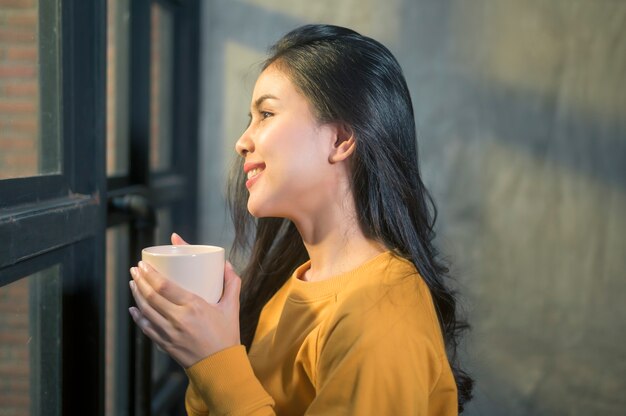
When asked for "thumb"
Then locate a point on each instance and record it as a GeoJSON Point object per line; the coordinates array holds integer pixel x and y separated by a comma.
{"type": "Point", "coordinates": [232, 285]}
{"type": "Point", "coordinates": [178, 240]}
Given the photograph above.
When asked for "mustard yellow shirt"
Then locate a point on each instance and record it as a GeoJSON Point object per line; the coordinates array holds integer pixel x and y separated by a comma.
{"type": "Point", "coordinates": [366, 342]}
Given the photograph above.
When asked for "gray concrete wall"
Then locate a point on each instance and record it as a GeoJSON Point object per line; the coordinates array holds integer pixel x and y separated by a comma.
{"type": "Point", "coordinates": [521, 111]}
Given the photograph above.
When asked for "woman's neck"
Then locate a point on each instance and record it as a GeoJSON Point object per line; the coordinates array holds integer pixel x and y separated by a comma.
{"type": "Point", "coordinates": [335, 244]}
{"type": "Point", "coordinates": [326, 263]}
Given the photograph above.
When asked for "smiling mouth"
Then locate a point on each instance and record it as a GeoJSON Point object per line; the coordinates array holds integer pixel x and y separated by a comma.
{"type": "Point", "coordinates": [254, 172]}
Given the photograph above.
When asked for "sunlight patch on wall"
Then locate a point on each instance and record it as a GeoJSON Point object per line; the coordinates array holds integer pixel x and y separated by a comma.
{"type": "Point", "coordinates": [241, 68]}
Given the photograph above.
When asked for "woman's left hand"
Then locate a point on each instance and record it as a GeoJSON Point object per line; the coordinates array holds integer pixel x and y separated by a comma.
{"type": "Point", "coordinates": [183, 324]}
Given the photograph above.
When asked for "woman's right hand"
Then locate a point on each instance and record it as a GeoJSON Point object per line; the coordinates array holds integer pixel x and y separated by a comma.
{"type": "Point", "coordinates": [183, 324]}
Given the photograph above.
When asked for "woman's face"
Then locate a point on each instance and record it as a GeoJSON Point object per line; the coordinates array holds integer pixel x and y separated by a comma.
{"type": "Point", "coordinates": [286, 151]}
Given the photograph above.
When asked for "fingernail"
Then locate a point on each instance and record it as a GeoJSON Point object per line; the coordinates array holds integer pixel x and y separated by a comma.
{"type": "Point", "coordinates": [132, 312]}
{"type": "Point", "coordinates": [143, 266]}
{"type": "Point", "coordinates": [132, 285]}
{"type": "Point", "coordinates": [133, 271]}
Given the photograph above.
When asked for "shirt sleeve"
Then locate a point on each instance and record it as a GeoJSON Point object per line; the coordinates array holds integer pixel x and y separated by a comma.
{"type": "Point", "coordinates": [376, 367]}
{"type": "Point", "coordinates": [194, 404]}
{"type": "Point", "coordinates": [224, 384]}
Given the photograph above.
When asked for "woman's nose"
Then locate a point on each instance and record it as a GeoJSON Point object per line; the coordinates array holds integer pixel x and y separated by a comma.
{"type": "Point", "coordinates": [245, 144]}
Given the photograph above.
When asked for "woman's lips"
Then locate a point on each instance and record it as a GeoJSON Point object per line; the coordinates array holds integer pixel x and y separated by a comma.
{"type": "Point", "coordinates": [253, 171]}
{"type": "Point", "coordinates": [253, 176]}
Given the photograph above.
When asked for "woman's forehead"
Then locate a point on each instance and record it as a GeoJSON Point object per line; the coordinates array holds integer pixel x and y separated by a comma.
{"type": "Point", "coordinates": [276, 87]}
{"type": "Point", "coordinates": [274, 82]}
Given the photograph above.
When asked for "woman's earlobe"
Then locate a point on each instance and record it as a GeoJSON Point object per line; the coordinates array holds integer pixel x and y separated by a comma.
{"type": "Point", "coordinates": [344, 146]}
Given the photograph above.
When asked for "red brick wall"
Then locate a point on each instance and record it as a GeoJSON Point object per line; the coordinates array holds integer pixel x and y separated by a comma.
{"type": "Point", "coordinates": [115, 14]}
{"type": "Point", "coordinates": [14, 349]}
{"type": "Point", "coordinates": [19, 125]}
{"type": "Point", "coordinates": [160, 80]}
{"type": "Point", "coordinates": [19, 92]}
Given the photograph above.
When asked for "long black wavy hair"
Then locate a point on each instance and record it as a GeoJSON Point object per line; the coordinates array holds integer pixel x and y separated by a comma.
{"type": "Point", "coordinates": [355, 80]}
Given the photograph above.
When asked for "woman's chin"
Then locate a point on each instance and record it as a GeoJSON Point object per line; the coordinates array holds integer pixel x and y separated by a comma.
{"type": "Point", "coordinates": [255, 210]}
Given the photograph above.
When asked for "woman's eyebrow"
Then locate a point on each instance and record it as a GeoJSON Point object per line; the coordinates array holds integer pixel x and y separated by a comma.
{"type": "Point", "coordinates": [262, 98]}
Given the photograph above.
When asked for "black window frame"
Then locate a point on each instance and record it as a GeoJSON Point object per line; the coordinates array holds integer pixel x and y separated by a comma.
{"type": "Point", "coordinates": [61, 219]}
{"type": "Point", "coordinates": [174, 188]}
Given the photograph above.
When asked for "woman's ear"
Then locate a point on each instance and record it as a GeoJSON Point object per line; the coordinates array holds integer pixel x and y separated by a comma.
{"type": "Point", "coordinates": [344, 145]}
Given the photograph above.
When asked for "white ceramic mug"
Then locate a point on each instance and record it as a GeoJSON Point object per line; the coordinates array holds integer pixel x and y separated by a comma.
{"type": "Point", "coordinates": [199, 269]}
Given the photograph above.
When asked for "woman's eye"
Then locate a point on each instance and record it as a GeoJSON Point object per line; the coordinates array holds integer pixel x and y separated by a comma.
{"type": "Point", "coordinates": [265, 114]}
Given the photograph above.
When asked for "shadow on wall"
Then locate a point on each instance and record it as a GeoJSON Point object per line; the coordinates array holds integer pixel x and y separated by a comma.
{"type": "Point", "coordinates": [523, 142]}
{"type": "Point", "coordinates": [521, 116]}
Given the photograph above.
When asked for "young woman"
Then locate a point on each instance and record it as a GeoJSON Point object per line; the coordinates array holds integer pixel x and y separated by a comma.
{"type": "Point", "coordinates": [344, 308]}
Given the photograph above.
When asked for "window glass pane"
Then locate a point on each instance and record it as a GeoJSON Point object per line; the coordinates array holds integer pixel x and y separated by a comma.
{"type": "Point", "coordinates": [30, 356]}
{"type": "Point", "coordinates": [118, 15]}
{"type": "Point", "coordinates": [29, 85]}
{"type": "Point", "coordinates": [116, 338]}
{"type": "Point", "coordinates": [161, 64]}
{"type": "Point", "coordinates": [163, 230]}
